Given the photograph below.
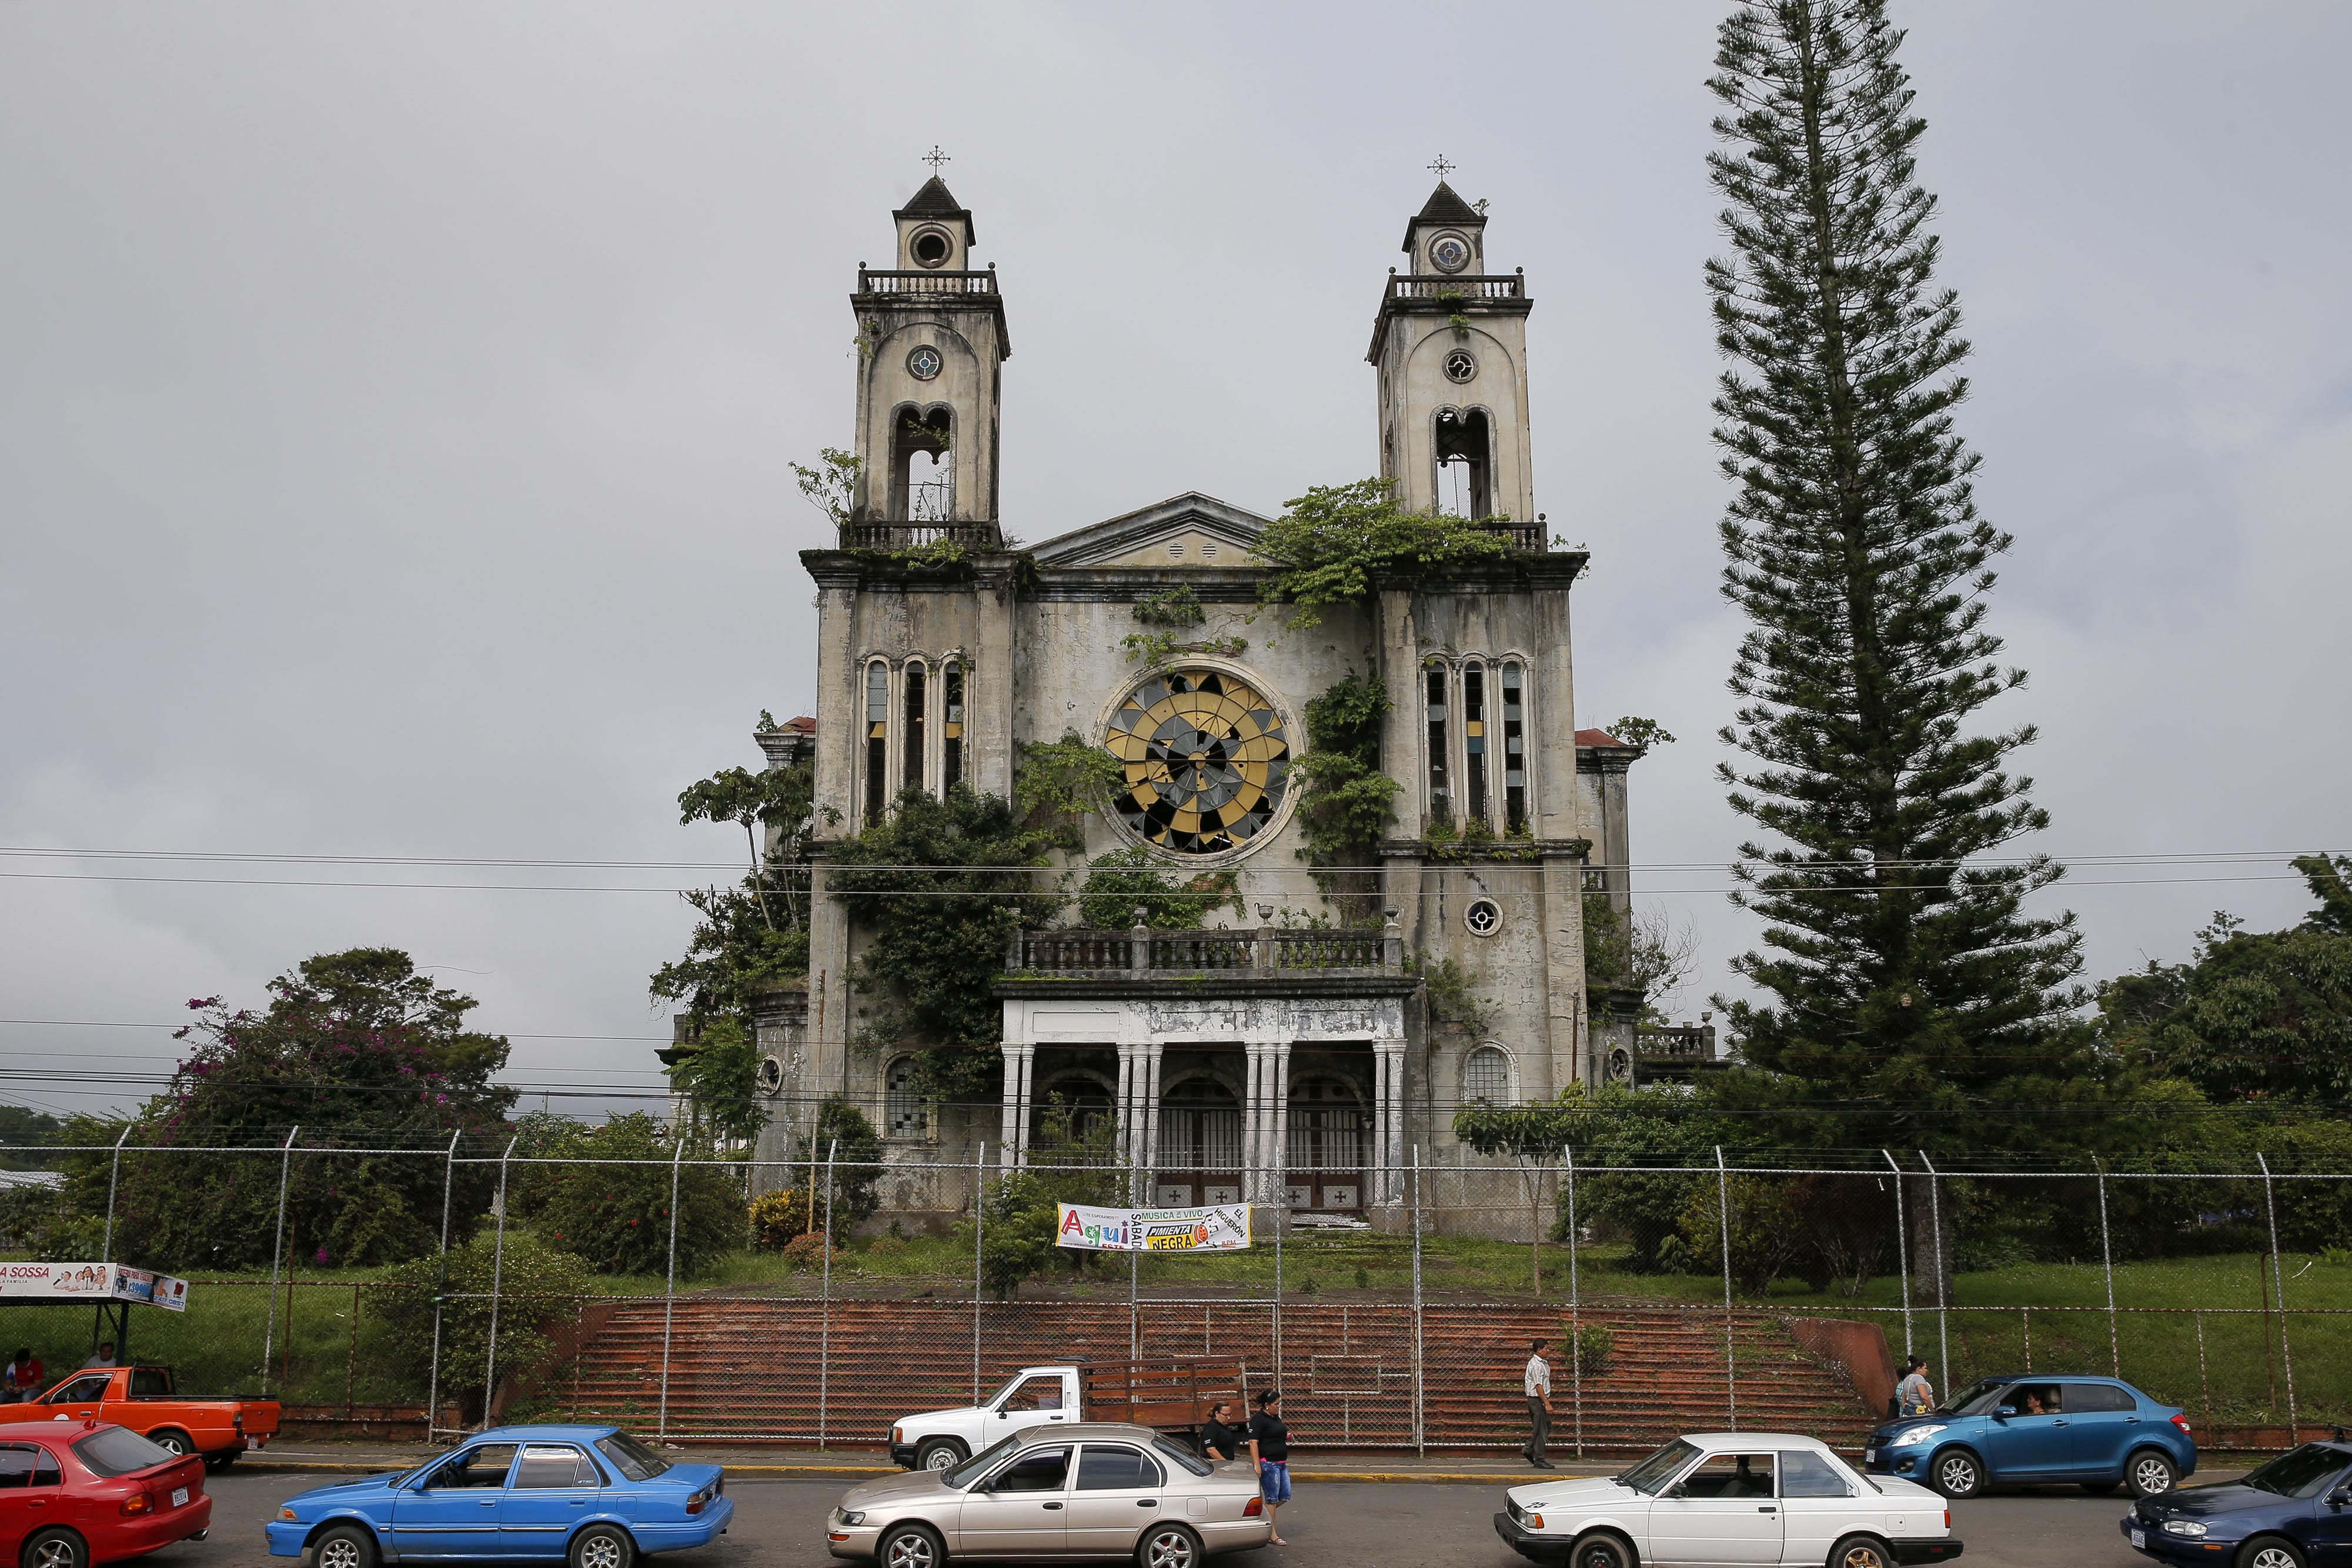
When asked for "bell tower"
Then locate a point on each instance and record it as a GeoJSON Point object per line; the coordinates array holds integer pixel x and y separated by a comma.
{"type": "Point", "coordinates": [1450, 347]}
{"type": "Point", "coordinates": [930, 340]}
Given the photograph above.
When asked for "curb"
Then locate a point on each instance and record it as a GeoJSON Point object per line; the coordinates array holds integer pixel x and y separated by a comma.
{"type": "Point", "coordinates": [823, 1472]}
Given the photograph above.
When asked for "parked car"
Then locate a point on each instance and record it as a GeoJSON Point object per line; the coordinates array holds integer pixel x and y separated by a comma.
{"type": "Point", "coordinates": [1730, 1497]}
{"type": "Point", "coordinates": [2099, 1432]}
{"type": "Point", "coordinates": [72, 1496]}
{"type": "Point", "coordinates": [2293, 1513]}
{"type": "Point", "coordinates": [1170, 1393]}
{"type": "Point", "coordinates": [147, 1400]}
{"type": "Point", "coordinates": [1088, 1489]}
{"type": "Point", "coordinates": [593, 1496]}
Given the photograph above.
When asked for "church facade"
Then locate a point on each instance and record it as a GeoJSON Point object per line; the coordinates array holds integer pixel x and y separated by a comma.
{"type": "Point", "coordinates": [1285, 1055]}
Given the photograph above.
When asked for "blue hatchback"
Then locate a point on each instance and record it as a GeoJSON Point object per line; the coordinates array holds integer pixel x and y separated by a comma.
{"type": "Point", "coordinates": [592, 1496]}
{"type": "Point", "coordinates": [2099, 1432]}
{"type": "Point", "coordinates": [2293, 1513]}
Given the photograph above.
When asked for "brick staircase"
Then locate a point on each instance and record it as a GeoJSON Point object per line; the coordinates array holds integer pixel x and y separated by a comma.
{"type": "Point", "coordinates": [761, 1369]}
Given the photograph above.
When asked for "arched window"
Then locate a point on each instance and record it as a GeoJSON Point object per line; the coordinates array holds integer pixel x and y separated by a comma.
{"type": "Point", "coordinates": [1515, 749]}
{"type": "Point", "coordinates": [904, 1112]}
{"type": "Point", "coordinates": [1464, 483]}
{"type": "Point", "coordinates": [914, 685]}
{"type": "Point", "coordinates": [1487, 1077]}
{"type": "Point", "coordinates": [1474, 741]}
{"type": "Point", "coordinates": [877, 740]}
{"type": "Point", "coordinates": [922, 472]}
{"type": "Point", "coordinates": [1439, 744]}
{"type": "Point", "coordinates": [951, 729]}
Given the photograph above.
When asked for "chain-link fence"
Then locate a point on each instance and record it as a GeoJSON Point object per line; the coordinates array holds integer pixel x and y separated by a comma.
{"type": "Point", "coordinates": [1735, 1293]}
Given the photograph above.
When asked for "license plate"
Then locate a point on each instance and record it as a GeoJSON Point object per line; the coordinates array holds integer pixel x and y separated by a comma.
{"type": "Point", "coordinates": [1870, 1456]}
{"type": "Point", "coordinates": [179, 1496]}
{"type": "Point", "coordinates": [2139, 1540]}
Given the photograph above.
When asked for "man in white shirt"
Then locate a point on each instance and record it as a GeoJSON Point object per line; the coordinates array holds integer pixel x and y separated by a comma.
{"type": "Point", "coordinates": [1538, 1384]}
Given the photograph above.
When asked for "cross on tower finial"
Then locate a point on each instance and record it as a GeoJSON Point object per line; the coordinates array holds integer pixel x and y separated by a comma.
{"type": "Point", "coordinates": [935, 158]}
{"type": "Point", "coordinates": [1441, 168]}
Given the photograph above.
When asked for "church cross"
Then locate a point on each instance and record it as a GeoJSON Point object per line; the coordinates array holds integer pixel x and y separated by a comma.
{"type": "Point", "coordinates": [1441, 168]}
{"type": "Point", "coordinates": [935, 158]}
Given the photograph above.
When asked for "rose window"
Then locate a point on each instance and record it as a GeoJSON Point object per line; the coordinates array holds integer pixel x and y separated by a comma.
{"type": "Point", "coordinates": [1204, 759]}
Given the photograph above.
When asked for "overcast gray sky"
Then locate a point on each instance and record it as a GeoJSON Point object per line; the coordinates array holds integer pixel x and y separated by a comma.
{"type": "Point", "coordinates": [395, 404]}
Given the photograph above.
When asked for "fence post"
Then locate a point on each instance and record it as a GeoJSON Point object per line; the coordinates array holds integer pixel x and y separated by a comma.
{"type": "Point", "coordinates": [2286, 1347]}
{"type": "Point", "coordinates": [277, 1257]}
{"type": "Point", "coordinates": [114, 1179]}
{"type": "Point", "coordinates": [498, 1281]}
{"type": "Point", "coordinates": [825, 1330]}
{"type": "Point", "coordinates": [1575, 1321]}
{"type": "Point", "coordinates": [669, 1290]}
{"type": "Point", "coordinates": [1419, 1403]}
{"type": "Point", "coordinates": [1902, 1249]}
{"type": "Point", "coordinates": [979, 1234]}
{"type": "Point", "coordinates": [1943, 1303]}
{"type": "Point", "coordinates": [440, 1292]}
{"type": "Point", "coordinates": [2107, 1264]}
{"type": "Point", "coordinates": [1730, 1372]}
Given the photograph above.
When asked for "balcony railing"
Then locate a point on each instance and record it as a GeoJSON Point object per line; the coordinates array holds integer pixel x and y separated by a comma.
{"type": "Point", "coordinates": [1437, 285]}
{"type": "Point", "coordinates": [915, 535]}
{"type": "Point", "coordinates": [1266, 950]}
{"type": "Point", "coordinates": [1523, 536]}
{"type": "Point", "coordinates": [872, 282]}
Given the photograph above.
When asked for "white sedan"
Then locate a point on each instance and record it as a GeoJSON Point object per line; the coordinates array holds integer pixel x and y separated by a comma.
{"type": "Point", "coordinates": [1765, 1499]}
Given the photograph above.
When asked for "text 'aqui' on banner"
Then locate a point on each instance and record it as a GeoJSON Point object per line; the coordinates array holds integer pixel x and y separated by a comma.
{"type": "Point", "coordinates": [1225, 1228]}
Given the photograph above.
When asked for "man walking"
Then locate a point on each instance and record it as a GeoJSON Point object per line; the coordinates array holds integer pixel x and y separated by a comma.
{"type": "Point", "coordinates": [1539, 1383]}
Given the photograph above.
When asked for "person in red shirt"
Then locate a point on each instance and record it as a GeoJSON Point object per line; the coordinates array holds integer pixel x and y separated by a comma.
{"type": "Point", "coordinates": [23, 1378]}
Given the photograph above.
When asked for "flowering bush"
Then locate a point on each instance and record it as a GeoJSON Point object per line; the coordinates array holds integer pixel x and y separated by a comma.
{"type": "Point", "coordinates": [807, 1253]}
{"type": "Point", "coordinates": [781, 1216]}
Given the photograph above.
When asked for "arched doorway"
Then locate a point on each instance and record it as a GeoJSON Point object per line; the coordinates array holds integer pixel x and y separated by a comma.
{"type": "Point", "coordinates": [1328, 1146]}
{"type": "Point", "coordinates": [1199, 1145]}
{"type": "Point", "coordinates": [1070, 1121]}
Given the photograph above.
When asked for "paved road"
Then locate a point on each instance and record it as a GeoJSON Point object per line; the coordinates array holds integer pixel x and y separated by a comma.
{"type": "Point", "coordinates": [778, 1525]}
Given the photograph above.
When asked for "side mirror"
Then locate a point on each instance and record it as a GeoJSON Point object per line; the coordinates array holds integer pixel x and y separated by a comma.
{"type": "Point", "coordinates": [2339, 1497]}
{"type": "Point", "coordinates": [2004, 1412]}
{"type": "Point", "coordinates": [1679, 1490]}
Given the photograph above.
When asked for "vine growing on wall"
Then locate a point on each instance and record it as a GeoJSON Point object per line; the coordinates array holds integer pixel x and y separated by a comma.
{"type": "Point", "coordinates": [1346, 803]}
{"type": "Point", "coordinates": [1059, 782]}
{"type": "Point", "coordinates": [1337, 544]}
{"type": "Point", "coordinates": [1126, 884]}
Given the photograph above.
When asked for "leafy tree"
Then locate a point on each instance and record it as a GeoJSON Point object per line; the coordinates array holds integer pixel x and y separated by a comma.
{"type": "Point", "coordinates": [1646, 732]}
{"type": "Point", "coordinates": [1337, 545]}
{"type": "Point", "coordinates": [845, 1136]}
{"type": "Point", "coordinates": [833, 483]}
{"type": "Point", "coordinates": [1908, 997]}
{"type": "Point", "coordinates": [361, 1052]}
{"type": "Point", "coordinates": [615, 1218]}
{"type": "Point", "coordinates": [1346, 802]}
{"type": "Point", "coordinates": [1123, 882]}
{"type": "Point", "coordinates": [535, 1288]}
{"type": "Point", "coordinates": [1072, 1160]}
{"type": "Point", "coordinates": [1059, 783]}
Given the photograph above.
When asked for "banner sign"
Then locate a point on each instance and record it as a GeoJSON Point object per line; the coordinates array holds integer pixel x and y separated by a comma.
{"type": "Point", "coordinates": [1225, 1228]}
{"type": "Point", "coordinates": [92, 1282]}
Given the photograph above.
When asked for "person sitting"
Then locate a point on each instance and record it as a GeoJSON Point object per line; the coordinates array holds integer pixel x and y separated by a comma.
{"type": "Point", "coordinates": [2033, 1404]}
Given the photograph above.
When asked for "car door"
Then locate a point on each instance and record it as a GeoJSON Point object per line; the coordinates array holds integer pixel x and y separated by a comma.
{"type": "Point", "coordinates": [82, 1399]}
{"type": "Point", "coordinates": [2101, 1421]}
{"type": "Point", "coordinates": [1118, 1491]}
{"type": "Point", "coordinates": [452, 1510]}
{"type": "Point", "coordinates": [1021, 1511]}
{"type": "Point", "coordinates": [2031, 1443]}
{"type": "Point", "coordinates": [554, 1487]}
{"type": "Point", "coordinates": [29, 1484]}
{"type": "Point", "coordinates": [1725, 1509]}
{"type": "Point", "coordinates": [1035, 1401]}
{"type": "Point", "coordinates": [1817, 1506]}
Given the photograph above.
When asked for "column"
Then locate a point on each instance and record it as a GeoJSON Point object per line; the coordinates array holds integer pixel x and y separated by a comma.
{"type": "Point", "coordinates": [1389, 1117]}
{"type": "Point", "coordinates": [1253, 1124]}
{"type": "Point", "coordinates": [1149, 1062]}
{"type": "Point", "coordinates": [1278, 1150]}
{"type": "Point", "coordinates": [1014, 1131]}
{"type": "Point", "coordinates": [1124, 1112]}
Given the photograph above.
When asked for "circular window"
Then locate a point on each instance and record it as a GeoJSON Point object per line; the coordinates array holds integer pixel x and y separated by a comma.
{"type": "Point", "coordinates": [1450, 254]}
{"type": "Point", "coordinates": [1460, 366]}
{"type": "Point", "coordinates": [1483, 918]}
{"type": "Point", "coordinates": [931, 247]}
{"type": "Point", "coordinates": [924, 363]}
{"type": "Point", "coordinates": [1204, 759]}
{"type": "Point", "coordinates": [771, 1075]}
{"type": "Point", "coordinates": [1621, 1065]}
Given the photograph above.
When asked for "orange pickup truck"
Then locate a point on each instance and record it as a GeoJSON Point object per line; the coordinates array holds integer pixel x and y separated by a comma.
{"type": "Point", "coordinates": [219, 1426]}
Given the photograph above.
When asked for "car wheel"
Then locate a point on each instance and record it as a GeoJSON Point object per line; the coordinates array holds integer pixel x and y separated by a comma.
{"type": "Point", "coordinates": [940, 1454]}
{"type": "Point", "coordinates": [2268, 1552]}
{"type": "Point", "coordinates": [1169, 1546]}
{"type": "Point", "coordinates": [911, 1546]}
{"type": "Point", "coordinates": [61, 1548]}
{"type": "Point", "coordinates": [344, 1546]}
{"type": "Point", "coordinates": [2148, 1472]}
{"type": "Point", "coordinates": [602, 1546]}
{"type": "Point", "coordinates": [1861, 1551]}
{"type": "Point", "coordinates": [219, 1463]}
{"type": "Point", "coordinates": [173, 1441]}
{"type": "Point", "coordinates": [1602, 1550]}
{"type": "Point", "coordinates": [1958, 1473]}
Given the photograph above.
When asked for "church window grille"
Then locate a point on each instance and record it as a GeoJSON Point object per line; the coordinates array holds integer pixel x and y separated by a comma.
{"type": "Point", "coordinates": [951, 729]}
{"type": "Point", "coordinates": [1474, 742]}
{"type": "Point", "coordinates": [1439, 742]}
{"type": "Point", "coordinates": [1515, 749]}
{"type": "Point", "coordinates": [1328, 1132]}
{"type": "Point", "coordinates": [1487, 1077]}
{"type": "Point", "coordinates": [914, 686]}
{"type": "Point", "coordinates": [1201, 1128]}
{"type": "Point", "coordinates": [904, 1112]}
{"type": "Point", "coordinates": [877, 740]}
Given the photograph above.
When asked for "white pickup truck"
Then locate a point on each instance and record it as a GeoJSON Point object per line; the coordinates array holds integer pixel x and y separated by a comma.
{"type": "Point", "coordinates": [1170, 1393]}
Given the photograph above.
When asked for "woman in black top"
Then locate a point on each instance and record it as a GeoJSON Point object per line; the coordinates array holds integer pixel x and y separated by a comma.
{"type": "Point", "coordinates": [1219, 1438]}
{"type": "Point", "coordinates": [1270, 1447]}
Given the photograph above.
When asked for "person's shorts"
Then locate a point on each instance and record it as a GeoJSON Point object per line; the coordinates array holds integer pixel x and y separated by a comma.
{"type": "Point", "coordinates": [1273, 1480]}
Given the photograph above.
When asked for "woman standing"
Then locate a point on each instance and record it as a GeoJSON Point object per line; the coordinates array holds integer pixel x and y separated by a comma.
{"type": "Point", "coordinates": [1219, 1439]}
{"type": "Point", "coordinates": [1270, 1447]}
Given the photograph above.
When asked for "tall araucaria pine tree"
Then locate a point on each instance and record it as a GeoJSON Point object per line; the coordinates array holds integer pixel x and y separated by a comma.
{"type": "Point", "coordinates": [1908, 997]}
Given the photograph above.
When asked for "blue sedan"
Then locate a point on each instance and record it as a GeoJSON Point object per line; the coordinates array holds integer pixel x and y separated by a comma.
{"type": "Point", "coordinates": [2098, 1432]}
{"type": "Point", "coordinates": [592, 1496]}
{"type": "Point", "coordinates": [2293, 1513]}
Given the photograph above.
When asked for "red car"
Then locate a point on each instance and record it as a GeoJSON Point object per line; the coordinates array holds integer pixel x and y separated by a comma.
{"type": "Point", "coordinates": [75, 1496]}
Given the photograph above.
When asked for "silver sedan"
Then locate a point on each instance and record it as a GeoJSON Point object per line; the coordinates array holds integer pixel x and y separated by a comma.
{"type": "Point", "coordinates": [1095, 1490]}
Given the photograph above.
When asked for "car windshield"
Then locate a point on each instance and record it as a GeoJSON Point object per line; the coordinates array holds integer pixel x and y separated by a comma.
{"type": "Point", "coordinates": [972, 1469]}
{"type": "Point", "coordinates": [2301, 1472]}
{"type": "Point", "coordinates": [112, 1451]}
{"type": "Point", "coordinates": [631, 1458]}
{"type": "Point", "coordinates": [1976, 1401]}
{"type": "Point", "coordinates": [1651, 1474]}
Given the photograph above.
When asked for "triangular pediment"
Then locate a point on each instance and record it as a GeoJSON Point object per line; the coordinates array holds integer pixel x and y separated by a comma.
{"type": "Point", "coordinates": [1190, 529]}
